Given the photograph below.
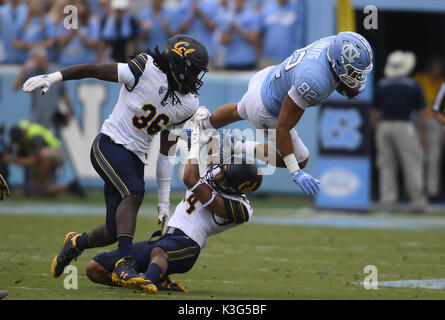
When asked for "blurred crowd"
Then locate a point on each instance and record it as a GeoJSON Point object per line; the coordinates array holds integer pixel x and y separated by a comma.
{"type": "Point", "coordinates": [239, 34]}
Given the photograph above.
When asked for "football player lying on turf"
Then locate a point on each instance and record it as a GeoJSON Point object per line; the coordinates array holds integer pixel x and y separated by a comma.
{"type": "Point", "coordinates": [211, 205]}
{"type": "Point", "coordinates": [158, 95]}
{"type": "Point", "coordinates": [277, 97]}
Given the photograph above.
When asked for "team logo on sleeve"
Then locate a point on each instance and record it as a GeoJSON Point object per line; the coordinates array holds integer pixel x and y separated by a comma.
{"type": "Point", "coordinates": [349, 52]}
{"type": "Point", "coordinates": [180, 49]}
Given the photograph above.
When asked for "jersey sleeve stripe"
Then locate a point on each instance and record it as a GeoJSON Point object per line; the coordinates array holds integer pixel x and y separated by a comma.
{"type": "Point", "coordinates": [137, 65]}
{"type": "Point", "coordinates": [236, 211]}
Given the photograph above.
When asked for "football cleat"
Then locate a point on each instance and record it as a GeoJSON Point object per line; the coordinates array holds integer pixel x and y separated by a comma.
{"type": "Point", "coordinates": [148, 287]}
{"type": "Point", "coordinates": [125, 275]}
{"type": "Point", "coordinates": [66, 255]}
{"type": "Point", "coordinates": [170, 285]}
{"type": "Point", "coordinates": [4, 294]}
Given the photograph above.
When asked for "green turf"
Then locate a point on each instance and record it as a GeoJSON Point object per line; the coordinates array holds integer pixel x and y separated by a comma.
{"type": "Point", "coordinates": [248, 262]}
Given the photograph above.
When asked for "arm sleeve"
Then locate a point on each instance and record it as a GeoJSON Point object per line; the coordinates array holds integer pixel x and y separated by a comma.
{"type": "Point", "coordinates": [164, 172]}
{"type": "Point", "coordinates": [297, 98]}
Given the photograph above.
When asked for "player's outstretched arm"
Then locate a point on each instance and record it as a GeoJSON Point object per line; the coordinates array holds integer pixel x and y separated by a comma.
{"type": "Point", "coordinates": [193, 181]}
{"type": "Point", "coordinates": [106, 72]}
{"type": "Point", "coordinates": [289, 116]}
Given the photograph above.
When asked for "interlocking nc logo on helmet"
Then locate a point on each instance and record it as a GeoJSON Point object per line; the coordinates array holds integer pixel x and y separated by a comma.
{"type": "Point", "coordinates": [180, 49]}
{"type": "Point", "coordinates": [349, 52]}
{"type": "Point", "coordinates": [247, 186]}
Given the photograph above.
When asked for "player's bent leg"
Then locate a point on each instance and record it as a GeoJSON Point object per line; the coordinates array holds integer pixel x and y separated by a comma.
{"type": "Point", "coordinates": [157, 267]}
{"type": "Point", "coordinates": [100, 237]}
{"type": "Point", "coordinates": [68, 253]}
{"type": "Point", "coordinates": [98, 274]}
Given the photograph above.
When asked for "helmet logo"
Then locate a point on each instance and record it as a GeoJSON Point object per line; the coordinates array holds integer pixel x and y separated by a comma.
{"type": "Point", "coordinates": [181, 50]}
{"type": "Point", "coordinates": [247, 186]}
{"type": "Point", "coordinates": [349, 52]}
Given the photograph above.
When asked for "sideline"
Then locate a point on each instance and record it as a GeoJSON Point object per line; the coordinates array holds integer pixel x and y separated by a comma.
{"type": "Point", "coordinates": [301, 217]}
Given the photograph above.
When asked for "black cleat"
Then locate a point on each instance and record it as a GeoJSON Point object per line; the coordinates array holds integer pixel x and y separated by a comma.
{"type": "Point", "coordinates": [125, 275]}
{"type": "Point", "coordinates": [66, 255]}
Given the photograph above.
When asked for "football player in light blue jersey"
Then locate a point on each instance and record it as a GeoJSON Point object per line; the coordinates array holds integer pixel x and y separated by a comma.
{"type": "Point", "coordinates": [277, 97]}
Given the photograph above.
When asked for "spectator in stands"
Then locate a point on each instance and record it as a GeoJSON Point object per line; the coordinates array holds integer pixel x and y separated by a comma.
{"type": "Point", "coordinates": [223, 17]}
{"type": "Point", "coordinates": [430, 82]}
{"type": "Point", "coordinates": [100, 8]}
{"type": "Point", "coordinates": [10, 13]}
{"type": "Point", "coordinates": [397, 99]}
{"type": "Point", "coordinates": [42, 153]}
{"type": "Point", "coordinates": [45, 110]}
{"type": "Point", "coordinates": [241, 36]}
{"type": "Point", "coordinates": [33, 29]}
{"type": "Point", "coordinates": [156, 23]}
{"type": "Point", "coordinates": [119, 31]}
{"type": "Point", "coordinates": [196, 18]}
{"type": "Point", "coordinates": [281, 21]}
{"type": "Point", "coordinates": [56, 15]}
{"type": "Point", "coordinates": [80, 45]}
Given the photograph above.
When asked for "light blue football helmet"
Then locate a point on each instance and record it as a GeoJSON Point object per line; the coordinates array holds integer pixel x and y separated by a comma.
{"type": "Point", "coordinates": [350, 56]}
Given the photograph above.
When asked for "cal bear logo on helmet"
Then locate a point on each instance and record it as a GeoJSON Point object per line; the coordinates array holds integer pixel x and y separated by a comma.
{"type": "Point", "coordinates": [248, 186]}
{"type": "Point", "coordinates": [180, 49]}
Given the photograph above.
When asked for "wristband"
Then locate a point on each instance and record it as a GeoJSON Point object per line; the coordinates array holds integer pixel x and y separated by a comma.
{"type": "Point", "coordinates": [55, 77]}
{"type": "Point", "coordinates": [291, 163]}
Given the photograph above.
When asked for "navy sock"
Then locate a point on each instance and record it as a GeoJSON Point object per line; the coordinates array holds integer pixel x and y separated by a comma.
{"type": "Point", "coordinates": [82, 242]}
{"type": "Point", "coordinates": [125, 242]}
{"type": "Point", "coordinates": [154, 273]}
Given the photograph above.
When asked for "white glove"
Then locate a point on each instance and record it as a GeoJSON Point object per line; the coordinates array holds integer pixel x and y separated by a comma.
{"type": "Point", "coordinates": [163, 214]}
{"type": "Point", "coordinates": [201, 114]}
{"type": "Point", "coordinates": [43, 82]}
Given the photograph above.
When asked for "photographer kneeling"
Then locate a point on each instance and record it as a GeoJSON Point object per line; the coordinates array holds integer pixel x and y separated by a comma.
{"type": "Point", "coordinates": [38, 150]}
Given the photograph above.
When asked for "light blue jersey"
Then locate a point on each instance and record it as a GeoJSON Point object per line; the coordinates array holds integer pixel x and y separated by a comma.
{"type": "Point", "coordinates": [306, 76]}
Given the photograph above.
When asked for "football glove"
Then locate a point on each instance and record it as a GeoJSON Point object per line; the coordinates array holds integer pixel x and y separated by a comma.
{"type": "Point", "coordinates": [201, 114]}
{"type": "Point", "coordinates": [306, 182]}
{"type": "Point", "coordinates": [163, 214]}
{"type": "Point", "coordinates": [4, 189]}
{"type": "Point", "coordinates": [43, 82]}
